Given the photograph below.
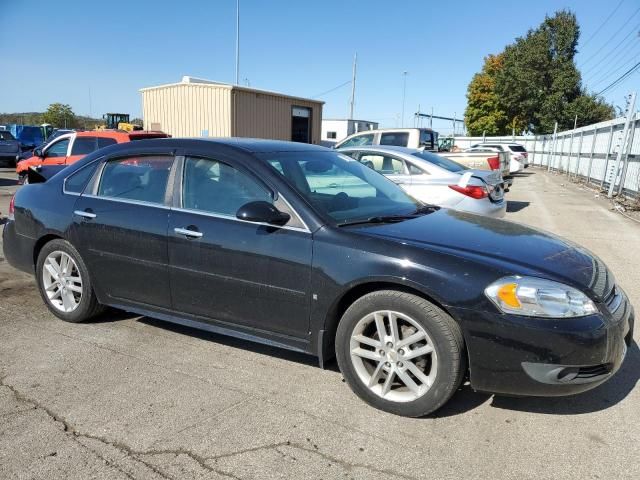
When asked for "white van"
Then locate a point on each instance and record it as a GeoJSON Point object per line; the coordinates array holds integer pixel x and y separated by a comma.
{"type": "Point", "coordinates": [400, 137]}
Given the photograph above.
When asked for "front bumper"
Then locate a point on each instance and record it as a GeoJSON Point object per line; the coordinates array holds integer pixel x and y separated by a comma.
{"type": "Point", "coordinates": [515, 355]}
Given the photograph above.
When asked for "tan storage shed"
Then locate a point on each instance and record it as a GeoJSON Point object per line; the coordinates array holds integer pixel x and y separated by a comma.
{"type": "Point", "coordinates": [202, 108]}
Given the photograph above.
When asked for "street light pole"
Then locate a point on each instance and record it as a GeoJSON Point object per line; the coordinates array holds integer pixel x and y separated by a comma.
{"type": "Point", "coordinates": [237, 42]}
{"type": "Point", "coordinates": [404, 92]}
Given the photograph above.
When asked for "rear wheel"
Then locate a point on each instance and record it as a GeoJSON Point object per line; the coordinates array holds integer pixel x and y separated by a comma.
{"type": "Point", "coordinates": [64, 283]}
{"type": "Point", "coordinates": [400, 353]}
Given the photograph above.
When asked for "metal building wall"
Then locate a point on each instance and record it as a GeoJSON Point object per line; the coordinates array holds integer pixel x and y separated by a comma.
{"type": "Point", "coordinates": [188, 110]}
{"type": "Point", "coordinates": [265, 115]}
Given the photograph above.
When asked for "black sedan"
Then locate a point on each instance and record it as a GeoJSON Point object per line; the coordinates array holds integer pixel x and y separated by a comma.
{"type": "Point", "coordinates": [302, 247]}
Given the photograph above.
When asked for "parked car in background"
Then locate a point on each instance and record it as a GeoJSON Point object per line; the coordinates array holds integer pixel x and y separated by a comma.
{"type": "Point", "coordinates": [9, 148]}
{"type": "Point", "coordinates": [54, 134]}
{"type": "Point", "coordinates": [483, 160]}
{"type": "Point", "coordinates": [231, 236]}
{"type": "Point", "coordinates": [400, 137]}
{"type": "Point", "coordinates": [71, 147]}
{"type": "Point", "coordinates": [436, 180]}
{"type": "Point", "coordinates": [518, 156]}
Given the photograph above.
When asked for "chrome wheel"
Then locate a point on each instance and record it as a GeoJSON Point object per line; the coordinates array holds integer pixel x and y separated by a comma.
{"type": "Point", "coordinates": [393, 356]}
{"type": "Point", "coordinates": [62, 281]}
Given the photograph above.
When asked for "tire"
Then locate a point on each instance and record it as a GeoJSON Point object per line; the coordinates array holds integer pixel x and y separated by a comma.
{"type": "Point", "coordinates": [80, 304]}
{"type": "Point", "coordinates": [435, 362]}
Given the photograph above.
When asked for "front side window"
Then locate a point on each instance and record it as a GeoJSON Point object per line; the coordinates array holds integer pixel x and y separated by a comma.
{"type": "Point", "coordinates": [340, 187]}
{"type": "Point", "coordinates": [383, 163]}
{"type": "Point", "coordinates": [142, 179]}
{"type": "Point", "coordinates": [58, 149]}
{"type": "Point", "coordinates": [357, 141]}
{"type": "Point", "coordinates": [400, 139]}
{"type": "Point", "coordinates": [215, 187]}
{"type": "Point", "coordinates": [83, 145]}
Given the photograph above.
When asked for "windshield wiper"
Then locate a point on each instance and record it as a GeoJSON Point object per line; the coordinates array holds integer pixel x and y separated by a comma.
{"type": "Point", "coordinates": [379, 219]}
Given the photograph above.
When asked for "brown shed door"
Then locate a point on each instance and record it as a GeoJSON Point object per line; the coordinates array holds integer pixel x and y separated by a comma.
{"type": "Point", "coordinates": [301, 124]}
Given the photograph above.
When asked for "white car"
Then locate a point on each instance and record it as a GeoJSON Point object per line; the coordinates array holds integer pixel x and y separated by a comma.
{"type": "Point", "coordinates": [519, 158]}
{"type": "Point", "coordinates": [436, 180]}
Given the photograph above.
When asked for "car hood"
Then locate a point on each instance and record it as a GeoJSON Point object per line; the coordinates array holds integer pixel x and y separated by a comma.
{"type": "Point", "coordinates": [512, 247]}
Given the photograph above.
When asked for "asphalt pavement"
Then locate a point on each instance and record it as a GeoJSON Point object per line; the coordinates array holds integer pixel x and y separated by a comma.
{"type": "Point", "coordinates": [132, 397]}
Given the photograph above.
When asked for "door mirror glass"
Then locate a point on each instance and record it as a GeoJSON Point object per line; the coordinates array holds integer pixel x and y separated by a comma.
{"type": "Point", "coordinates": [263, 212]}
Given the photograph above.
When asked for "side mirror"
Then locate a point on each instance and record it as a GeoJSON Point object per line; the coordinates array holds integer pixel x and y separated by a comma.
{"type": "Point", "coordinates": [37, 152]}
{"type": "Point", "coordinates": [263, 212]}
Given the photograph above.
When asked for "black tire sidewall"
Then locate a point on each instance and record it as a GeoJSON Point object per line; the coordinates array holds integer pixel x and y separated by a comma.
{"type": "Point", "coordinates": [430, 318]}
{"type": "Point", "coordinates": [87, 302]}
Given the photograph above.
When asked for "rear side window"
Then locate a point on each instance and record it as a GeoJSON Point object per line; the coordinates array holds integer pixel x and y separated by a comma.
{"type": "Point", "coordinates": [83, 145]}
{"type": "Point", "coordinates": [440, 161]}
{"type": "Point", "coordinates": [76, 182]}
{"type": "Point", "coordinates": [517, 148]}
{"type": "Point", "coordinates": [142, 179]}
{"type": "Point", "coordinates": [427, 139]}
{"type": "Point", "coordinates": [400, 139]}
{"type": "Point", "coordinates": [383, 163]}
{"type": "Point", "coordinates": [358, 140]}
{"type": "Point", "coordinates": [105, 142]}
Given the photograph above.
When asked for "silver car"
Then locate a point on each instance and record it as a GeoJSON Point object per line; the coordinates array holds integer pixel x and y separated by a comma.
{"type": "Point", "coordinates": [434, 179]}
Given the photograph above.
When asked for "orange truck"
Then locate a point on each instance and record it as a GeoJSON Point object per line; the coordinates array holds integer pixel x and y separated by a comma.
{"type": "Point", "coordinates": [71, 147]}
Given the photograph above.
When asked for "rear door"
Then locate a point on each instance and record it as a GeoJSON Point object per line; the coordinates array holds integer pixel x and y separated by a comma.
{"type": "Point", "coordinates": [120, 228]}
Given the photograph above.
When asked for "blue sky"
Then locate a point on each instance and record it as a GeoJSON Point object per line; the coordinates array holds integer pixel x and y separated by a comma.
{"type": "Point", "coordinates": [304, 48]}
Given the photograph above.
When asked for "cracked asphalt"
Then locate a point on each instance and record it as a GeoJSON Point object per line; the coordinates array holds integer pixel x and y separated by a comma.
{"type": "Point", "coordinates": [132, 397]}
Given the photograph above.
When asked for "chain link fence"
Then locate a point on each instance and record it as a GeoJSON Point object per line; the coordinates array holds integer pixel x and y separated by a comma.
{"type": "Point", "coordinates": [587, 153]}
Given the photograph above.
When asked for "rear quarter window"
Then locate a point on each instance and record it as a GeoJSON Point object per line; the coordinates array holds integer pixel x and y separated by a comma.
{"type": "Point", "coordinates": [76, 182]}
{"type": "Point", "coordinates": [517, 148]}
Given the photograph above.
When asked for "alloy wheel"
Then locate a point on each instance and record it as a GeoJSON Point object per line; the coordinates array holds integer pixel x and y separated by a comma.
{"type": "Point", "coordinates": [393, 356]}
{"type": "Point", "coordinates": [62, 281]}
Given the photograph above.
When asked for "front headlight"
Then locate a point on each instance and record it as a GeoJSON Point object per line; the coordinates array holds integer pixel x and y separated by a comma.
{"type": "Point", "coordinates": [536, 297]}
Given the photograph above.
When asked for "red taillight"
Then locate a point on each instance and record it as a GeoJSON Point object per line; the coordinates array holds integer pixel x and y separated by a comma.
{"type": "Point", "coordinates": [472, 191]}
{"type": "Point", "coordinates": [494, 163]}
{"type": "Point", "coordinates": [525, 154]}
{"type": "Point", "coordinates": [12, 205]}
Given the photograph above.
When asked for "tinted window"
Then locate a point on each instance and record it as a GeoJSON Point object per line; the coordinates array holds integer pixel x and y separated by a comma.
{"type": "Point", "coordinates": [4, 135]}
{"type": "Point", "coordinates": [440, 161]}
{"type": "Point", "coordinates": [76, 182]}
{"type": "Point", "coordinates": [216, 187]}
{"type": "Point", "coordinates": [58, 149]}
{"type": "Point", "coordinates": [413, 170]}
{"type": "Point", "coordinates": [427, 138]}
{"type": "Point", "coordinates": [517, 148]}
{"type": "Point", "coordinates": [383, 163]}
{"type": "Point", "coordinates": [358, 140]}
{"type": "Point", "coordinates": [136, 178]}
{"type": "Point", "coordinates": [83, 145]}
{"type": "Point", "coordinates": [105, 142]}
{"type": "Point", "coordinates": [339, 186]}
{"type": "Point", "coordinates": [400, 139]}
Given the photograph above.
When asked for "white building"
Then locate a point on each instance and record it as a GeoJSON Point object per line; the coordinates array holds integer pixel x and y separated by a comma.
{"type": "Point", "coordinates": [334, 130]}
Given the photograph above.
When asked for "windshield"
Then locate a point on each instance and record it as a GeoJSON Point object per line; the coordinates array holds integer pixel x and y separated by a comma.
{"type": "Point", "coordinates": [440, 161]}
{"type": "Point", "coordinates": [4, 135]}
{"type": "Point", "coordinates": [340, 187]}
{"type": "Point", "coordinates": [517, 148]}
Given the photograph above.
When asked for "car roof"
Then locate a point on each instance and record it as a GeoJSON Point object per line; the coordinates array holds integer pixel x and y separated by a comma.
{"type": "Point", "coordinates": [249, 145]}
{"type": "Point", "coordinates": [104, 134]}
{"type": "Point", "coordinates": [382, 148]}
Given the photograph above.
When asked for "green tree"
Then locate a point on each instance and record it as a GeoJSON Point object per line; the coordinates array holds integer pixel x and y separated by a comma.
{"type": "Point", "coordinates": [483, 113]}
{"type": "Point", "coordinates": [538, 82]}
{"type": "Point", "coordinates": [60, 115]}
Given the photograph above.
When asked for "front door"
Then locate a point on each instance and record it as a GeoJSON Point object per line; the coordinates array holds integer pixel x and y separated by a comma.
{"type": "Point", "coordinates": [234, 271]}
{"type": "Point", "coordinates": [120, 230]}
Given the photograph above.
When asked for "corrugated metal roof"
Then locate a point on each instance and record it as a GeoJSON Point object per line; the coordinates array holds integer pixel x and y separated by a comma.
{"type": "Point", "coordinates": [187, 80]}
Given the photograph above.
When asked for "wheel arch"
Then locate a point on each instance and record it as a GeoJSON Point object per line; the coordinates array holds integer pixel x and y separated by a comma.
{"type": "Point", "coordinates": [326, 347]}
{"type": "Point", "coordinates": [41, 242]}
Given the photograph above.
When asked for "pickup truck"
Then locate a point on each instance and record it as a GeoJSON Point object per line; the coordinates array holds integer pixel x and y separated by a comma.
{"type": "Point", "coordinates": [427, 139]}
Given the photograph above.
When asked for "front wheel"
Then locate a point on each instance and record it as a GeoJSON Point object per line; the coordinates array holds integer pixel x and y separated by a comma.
{"type": "Point", "coordinates": [64, 283]}
{"type": "Point", "coordinates": [400, 353]}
